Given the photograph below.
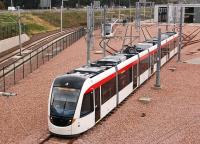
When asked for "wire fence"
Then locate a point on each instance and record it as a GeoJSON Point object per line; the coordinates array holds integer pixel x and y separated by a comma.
{"type": "Point", "coordinates": [11, 30]}
{"type": "Point", "coordinates": [26, 64]}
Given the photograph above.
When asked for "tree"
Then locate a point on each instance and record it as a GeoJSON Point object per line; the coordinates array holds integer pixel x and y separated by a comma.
{"type": "Point", "coordinates": [2, 6]}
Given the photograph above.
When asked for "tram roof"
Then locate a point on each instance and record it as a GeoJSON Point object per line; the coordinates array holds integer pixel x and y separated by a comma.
{"type": "Point", "coordinates": [99, 66]}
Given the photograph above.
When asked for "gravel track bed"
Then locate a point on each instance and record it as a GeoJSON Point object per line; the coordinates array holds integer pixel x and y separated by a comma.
{"type": "Point", "coordinates": [171, 117]}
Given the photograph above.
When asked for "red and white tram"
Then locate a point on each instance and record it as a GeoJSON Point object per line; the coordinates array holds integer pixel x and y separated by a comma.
{"type": "Point", "coordinates": [79, 99]}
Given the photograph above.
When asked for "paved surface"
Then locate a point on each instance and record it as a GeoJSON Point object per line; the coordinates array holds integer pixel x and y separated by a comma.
{"type": "Point", "coordinates": [9, 43]}
{"type": "Point", "coordinates": [171, 117]}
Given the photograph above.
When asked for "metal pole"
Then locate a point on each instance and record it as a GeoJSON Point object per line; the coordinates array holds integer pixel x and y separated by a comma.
{"type": "Point", "coordinates": [104, 32]}
{"type": "Point", "coordinates": [92, 21]}
{"type": "Point", "coordinates": [180, 34]}
{"type": "Point", "coordinates": [11, 3]}
{"type": "Point", "coordinates": [144, 10]}
{"type": "Point", "coordinates": [174, 18]}
{"type": "Point", "coordinates": [130, 10]}
{"type": "Point", "coordinates": [20, 29]}
{"type": "Point", "coordinates": [167, 27]}
{"type": "Point", "coordinates": [131, 39]}
{"type": "Point", "coordinates": [102, 20]}
{"type": "Point", "coordinates": [119, 10]}
{"type": "Point", "coordinates": [61, 17]}
{"type": "Point", "coordinates": [158, 59]}
{"type": "Point", "coordinates": [138, 18]}
{"type": "Point", "coordinates": [150, 5]}
{"type": "Point", "coordinates": [88, 33]}
{"type": "Point", "coordinates": [50, 5]}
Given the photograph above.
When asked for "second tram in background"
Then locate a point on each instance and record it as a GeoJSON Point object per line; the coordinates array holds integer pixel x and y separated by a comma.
{"type": "Point", "coordinates": [81, 98]}
{"type": "Point", "coordinates": [110, 28]}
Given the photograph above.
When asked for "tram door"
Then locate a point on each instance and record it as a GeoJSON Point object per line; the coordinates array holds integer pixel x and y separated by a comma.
{"type": "Point", "coordinates": [135, 75]}
{"type": "Point", "coordinates": [97, 104]}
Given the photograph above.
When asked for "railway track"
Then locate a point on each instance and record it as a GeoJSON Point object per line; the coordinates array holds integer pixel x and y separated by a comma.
{"type": "Point", "coordinates": [109, 49]}
{"type": "Point", "coordinates": [13, 55]}
{"type": "Point", "coordinates": [189, 39]}
{"type": "Point", "coordinates": [51, 139]}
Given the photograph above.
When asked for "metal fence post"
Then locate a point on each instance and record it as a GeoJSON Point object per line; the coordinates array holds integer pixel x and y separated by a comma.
{"type": "Point", "coordinates": [180, 34]}
{"type": "Point", "coordinates": [37, 58]}
{"type": "Point", "coordinates": [23, 67]}
{"type": "Point", "coordinates": [61, 44]}
{"type": "Point", "coordinates": [56, 47]}
{"type": "Point", "coordinates": [4, 80]}
{"type": "Point", "coordinates": [70, 37]}
{"type": "Point", "coordinates": [30, 64]}
{"type": "Point", "coordinates": [158, 60]}
{"type": "Point", "coordinates": [52, 50]}
{"type": "Point", "coordinates": [76, 35]}
{"type": "Point", "coordinates": [14, 73]}
{"type": "Point", "coordinates": [73, 37]}
{"type": "Point", "coordinates": [67, 38]}
{"type": "Point", "coordinates": [66, 42]}
{"type": "Point", "coordinates": [43, 55]}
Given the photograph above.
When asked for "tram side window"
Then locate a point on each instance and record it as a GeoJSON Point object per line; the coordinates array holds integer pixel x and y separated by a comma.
{"type": "Point", "coordinates": [124, 79]}
{"type": "Point", "coordinates": [108, 90]}
{"type": "Point", "coordinates": [134, 76]}
{"type": "Point", "coordinates": [165, 50]}
{"type": "Point", "coordinates": [87, 104]}
{"type": "Point", "coordinates": [144, 64]}
{"type": "Point", "coordinates": [175, 42]}
{"type": "Point", "coordinates": [171, 45]}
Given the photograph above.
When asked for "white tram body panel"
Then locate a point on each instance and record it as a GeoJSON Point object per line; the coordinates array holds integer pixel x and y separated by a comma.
{"type": "Point", "coordinates": [93, 91]}
{"type": "Point", "coordinates": [144, 76]}
{"type": "Point", "coordinates": [82, 123]}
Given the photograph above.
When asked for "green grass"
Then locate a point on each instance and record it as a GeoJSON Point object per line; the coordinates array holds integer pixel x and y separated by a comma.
{"type": "Point", "coordinates": [7, 19]}
{"type": "Point", "coordinates": [70, 19]}
{"type": "Point", "coordinates": [33, 27]}
{"type": "Point", "coordinates": [39, 22]}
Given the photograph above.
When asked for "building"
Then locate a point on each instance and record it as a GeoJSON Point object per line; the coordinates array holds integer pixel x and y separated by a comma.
{"type": "Point", "coordinates": [171, 12]}
{"type": "Point", "coordinates": [45, 3]}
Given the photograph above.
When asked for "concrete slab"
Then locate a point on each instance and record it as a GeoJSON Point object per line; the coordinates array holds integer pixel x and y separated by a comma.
{"type": "Point", "coordinates": [12, 42]}
{"type": "Point", "coordinates": [193, 61]}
